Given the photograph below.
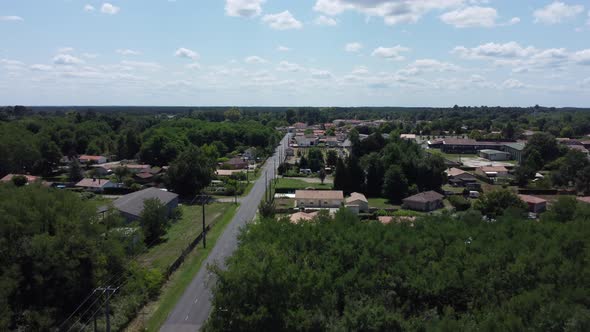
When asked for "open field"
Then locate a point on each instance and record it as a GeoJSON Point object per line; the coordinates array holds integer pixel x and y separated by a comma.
{"type": "Point", "coordinates": [182, 233]}
{"type": "Point", "coordinates": [296, 184]}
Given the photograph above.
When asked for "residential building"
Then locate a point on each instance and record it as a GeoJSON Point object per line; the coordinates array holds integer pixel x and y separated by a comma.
{"type": "Point", "coordinates": [302, 216]}
{"type": "Point", "coordinates": [494, 155]}
{"type": "Point", "coordinates": [131, 205]}
{"type": "Point", "coordinates": [515, 150]}
{"type": "Point", "coordinates": [425, 201]}
{"type": "Point", "coordinates": [95, 185]}
{"type": "Point", "coordinates": [359, 201]}
{"type": "Point", "coordinates": [492, 172]}
{"type": "Point", "coordinates": [30, 178]}
{"type": "Point", "coordinates": [305, 141]}
{"type": "Point", "coordinates": [315, 199]}
{"type": "Point", "coordinates": [535, 204]}
{"type": "Point", "coordinates": [460, 178]}
{"type": "Point", "coordinates": [236, 163]}
{"type": "Point", "coordinates": [88, 159]}
{"type": "Point", "coordinates": [471, 146]}
{"type": "Point", "coordinates": [409, 137]}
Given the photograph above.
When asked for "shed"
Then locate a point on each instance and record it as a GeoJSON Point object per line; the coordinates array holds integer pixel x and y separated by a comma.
{"type": "Point", "coordinates": [425, 201]}
{"type": "Point", "coordinates": [131, 205]}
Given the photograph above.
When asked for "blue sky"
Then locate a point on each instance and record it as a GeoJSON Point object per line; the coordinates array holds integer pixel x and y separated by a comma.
{"type": "Point", "coordinates": [303, 52]}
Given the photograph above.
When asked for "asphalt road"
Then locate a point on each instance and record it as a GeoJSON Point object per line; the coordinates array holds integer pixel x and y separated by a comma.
{"type": "Point", "coordinates": [194, 306]}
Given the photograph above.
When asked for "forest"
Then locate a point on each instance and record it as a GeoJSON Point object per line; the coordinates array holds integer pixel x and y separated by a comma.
{"type": "Point", "coordinates": [439, 273]}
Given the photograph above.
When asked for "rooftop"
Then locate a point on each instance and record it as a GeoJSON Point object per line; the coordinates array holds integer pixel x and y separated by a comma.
{"type": "Point", "coordinates": [92, 183]}
{"type": "Point", "coordinates": [356, 197]}
{"type": "Point", "coordinates": [319, 194]}
{"type": "Point", "coordinates": [133, 203]}
{"type": "Point", "coordinates": [299, 216]}
{"type": "Point", "coordinates": [532, 199]}
{"type": "Point", "coordinates": [427, 196]}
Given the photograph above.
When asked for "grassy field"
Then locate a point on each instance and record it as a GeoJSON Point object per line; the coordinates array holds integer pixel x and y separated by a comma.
{"type": "Point", "coordinates": [153, 315]}
{"type": "Point", "coordinates": [181, 234]}
{"type": "Point", "coordinates": [381, 203]}
{"type": "Point", "coordinates": [300, 184]}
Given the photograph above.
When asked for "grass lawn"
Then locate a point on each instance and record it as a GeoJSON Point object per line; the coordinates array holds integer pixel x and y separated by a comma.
{"type": "Point", "coordinates": [381, 203]}
{"type": "Point", "coordinates": [182, 233]}
{"type": "Point", "coordinates": [456, 190]}
{"type": "Point", "coordinates": [153, 315]}
{"type": "Point", "coordinates": [295, 184]}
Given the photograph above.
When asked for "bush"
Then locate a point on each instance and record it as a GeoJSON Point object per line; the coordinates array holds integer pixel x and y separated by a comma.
{"type": "Point", "coordinates": [460, 203]}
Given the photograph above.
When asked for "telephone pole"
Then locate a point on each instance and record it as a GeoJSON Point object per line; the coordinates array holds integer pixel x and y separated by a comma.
{"type": "Point", "coordinates": [109, 291]}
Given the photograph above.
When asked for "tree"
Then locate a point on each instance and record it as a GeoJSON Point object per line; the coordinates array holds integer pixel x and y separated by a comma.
{"type": "Point", "coordinates": [562, 210]}
{"type": "Point", "coordinates": [493, 204]}
{"type": "Point", "coordinates": [316, 159]}
{"type": "Point", "coordinates": [545, 144]}
{"type": "Point", "coordinates": [356, 180]}
{"type": "Point", "coordinates": [375, 172]}
{"type": "Point", "coordinates": [341, 175]}
{"type": "Point", "coordinates": [583, 181]}
{"type": "Point", "coordinates": [331, 158]}
{"type": "Point", "coordinates": [508, 131]}
{"type": "Point", "coordinates": [395, 184]}
{"type": "Point", "coordinates": [322, 175]}
{"type": "Point", "coordinates": [190, 172]}
{"type": "Point", "coordinates": [19, 180]}
{"type": "Point", "coordinates": [121, 172]}
{"type": "Point", "coordinates": [153, 220]}
{"type": "Point", "coordinates": [75, 173]}
{"type": "Point", "coordinates": [233, 114]}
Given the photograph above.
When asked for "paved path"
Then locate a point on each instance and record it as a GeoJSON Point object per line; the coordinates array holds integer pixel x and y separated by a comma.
{"type": "Point", "coordinates": [194, 306]}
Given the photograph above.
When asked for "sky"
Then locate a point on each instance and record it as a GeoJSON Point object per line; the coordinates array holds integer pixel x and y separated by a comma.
{"type": "Point", "coordinates": [295, 52]}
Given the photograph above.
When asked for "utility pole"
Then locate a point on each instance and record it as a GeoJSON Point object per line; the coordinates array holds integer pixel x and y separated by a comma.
{"type": "Point", "coordinates": [108, 290]}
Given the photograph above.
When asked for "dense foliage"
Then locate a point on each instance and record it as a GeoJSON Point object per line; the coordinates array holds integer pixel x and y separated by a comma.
{"type": "Point", "coordinates": [440, 273]}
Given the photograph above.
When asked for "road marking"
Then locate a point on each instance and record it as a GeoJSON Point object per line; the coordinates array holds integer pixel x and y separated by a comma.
{"type": "Point", "coordinates": [196, 300]}
{"type": "Point", "coordinates": [186, 318]}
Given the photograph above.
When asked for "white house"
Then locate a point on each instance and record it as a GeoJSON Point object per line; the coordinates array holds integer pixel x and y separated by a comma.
{"type": "Point", "coordinates": [319, 199]}
{"type": "Point", "coordinates": [358, 200]}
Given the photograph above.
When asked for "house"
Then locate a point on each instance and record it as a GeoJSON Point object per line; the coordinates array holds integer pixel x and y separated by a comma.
{"type": "Point", "coordinates": [536, 204]}
{"type": "Point", "coordinates": [492, 172]}
{"type": "Point", "coordinates": [332, 141]}
{"type": "Point", "coordinates": [95, 185]}
{"type": "Point", "coordinates": [453, 171]}
{"type": "Point", "coordinates": [131, 205]}
{"type": "Point", "coordinates": [227, 172]}
{"type": "Point", "coordinates": [425, 201]}
{"type": "Point", "coordinates": [302, 216]}
{"type": "Point", "coordinates": [460, 178]}
{"type": "Point", "coordinates": [304, 141]}
{"type": "Point", "coordinates": [236, 163]}
{"type": "Point", "coordinates": [359, 201]}
{"type": "Point", "coordinates": [300, 126]}
{"type": "Point", "coordinates": [409, 137]}
{"type": "Point", "coordinates": [515, 150]}
{"type": "Point", "coordinates": [580, 148]}
{"type": "Point", "coordinates": [136, 168]}
{"type": "Point", "coordinates": [30, 178]}
{"type": "Point", "coordinates": [250, 154]}
{"type": "Point", "coordinates": [461, 145]}
{"type": "Point", "coordinates": [319, 198]}
{"type": "Point", "coordinates": [494, 155]}
{"type": "Point", "coordinates": [88, 159]}
{"type": "Point", "coordinates": [289, 152]}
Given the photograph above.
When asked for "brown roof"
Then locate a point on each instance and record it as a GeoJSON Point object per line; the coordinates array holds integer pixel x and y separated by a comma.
{"type": "Point", "coordinates": [356, 197]}
{"type": "Point", "coordinates": [30, 178]}
{"type": "Point", "coordinates": [454, 171]}
{"type": "Point", "coordinates": [486, 169]}
{"type": "Point", "coordinates": [531, 199]}
{"type": "Point", "coordinates": [92, 183]}
{"type": "Point", "coordinates": [427, 196]}
{"type": "Point", "coordinates": [584, 199]}
{"type": "Point", "coordinates": [88, 157]}
{"type": "Point", "coordinates": [319, 194]}
{"type": "Point", "coordinates": [299, 216]}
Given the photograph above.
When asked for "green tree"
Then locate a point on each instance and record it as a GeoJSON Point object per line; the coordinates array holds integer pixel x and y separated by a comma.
{"type": "Point", "coordinates": [583, 181]}
{"type": "Point", "coordinates": [493, 204]}
{"type": "Point", "coordinates": [190, 172]}
{"type": "Point", "coordinates": [19, 180]}
{"type": "Point", "coordinates": [562, 210]}
{"type": "Point", "coordinates": [121, 172]}
{"type": "Point", "coordinates": [322, 175]}
{"type": "Point", "coordinates": [331, 158]}
{"type": "Point", "coordinates": [233, 114]}
{"type": "Point", "coordinates": [395, 184]}
{"type": "Point", "coordinates": [75, 172]}
{"type": "Point", "coordinates": [153, 220]}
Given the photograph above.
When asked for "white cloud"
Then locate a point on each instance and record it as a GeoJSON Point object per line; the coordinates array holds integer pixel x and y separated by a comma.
{"type": "Point", "coordinates": [582, 57]}
{"type": "Point", "coordinates": [90, 55]}
{"type": "Point", "coordinates": [110, 9]}
{"type": "Point", "coordinates": [243, 8]}
{"type": "Point", "coordinates": [282, 21]}
{"type": "Point", "coordinates": [289, 67]}
{"type": "Point", "coordinates": [494, 50]}
{"type": "Point", "coordinates": [326, 21]}
{"type": "Point", "coordinates": [89, 8]}
{"type": "Point", "coordinates": [39, 67]}
{"type": "Point", "coordinates": [391, 53]}
{"type": "Point", "coordinates": [11, 19]}
{"type": "Point", "coordinates": [585, 83]}
{"type": "Point", "coordinates": [321, 74]}
{"type": "Point", "coordinates": [392, 11]}
{"type": "Point", "coordinates": [588, 22]}
{"type": "Point", "coordinates": [360, 70]}
{"type": "Point", "coordinates": [474, 16]}
{"type": "Point", "coordinates": [353, 47]}
{"type": "Point", "coordinates": [557, 12]}
{"type": "Point", "coordinates": [254, 59]}
{"type": "Point", "coordinates": [512, 84]}
{"type": "Point", "coordinates": [66, 59]}
{"type": "Point", "coordinates": [186, 53]}
{"type": "Point", "coordinates": [429, 65]}
{"type": "Point", "coordinates": [281, 48]}
{"type": "Point", "coordinates": [127, 51]}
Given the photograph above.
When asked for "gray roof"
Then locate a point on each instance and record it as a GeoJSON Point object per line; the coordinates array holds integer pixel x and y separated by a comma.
{"type": "Point", "coordinates": [428, 196]}
{"type": "Point", "coordinates": [133, 203]}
